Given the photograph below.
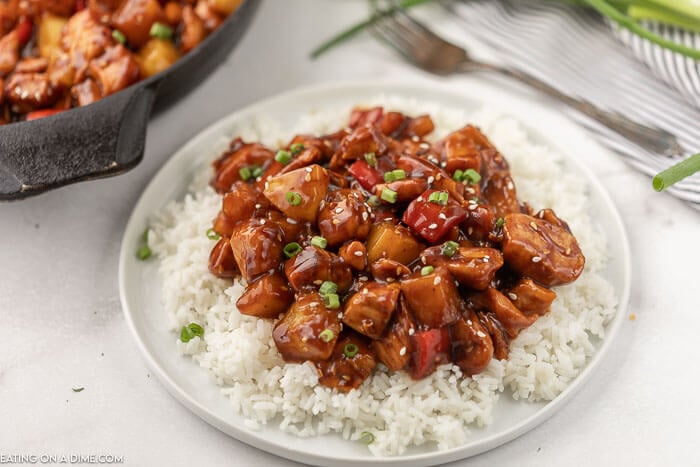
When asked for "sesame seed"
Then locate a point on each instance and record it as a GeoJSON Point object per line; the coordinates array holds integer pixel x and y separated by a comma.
{"type": "Point", "coordinates": [304, 339]}
{"type": "Point", "coordinates": [318, 282]}
{"type": "Point", "coordinates": [291, 221]}
{"type": "Point", "coordinates": [442, 216]}
{"type": "Point", "coordinates": [471, 207]}
{"type": "Point", "coordinates": [512, 296]}
{"type": "Point", "coordinates": [415, 138]}
{"type": "Point", "coordinates": [365, 291]}
{"type": "Point", "coordinates": [363, 278]}
{"type": "Point", "coordinates": [340, 316]}
{"type": "Point", "coordinates": [322, 204]}
{"type": "Point", "coordinates": [262, 222]}
{"type": "Point", "coordinates": [437, 280]}
{"type": "Point", "coordinates": [267, 185]}
{"type": "Point", "coordinates": [433, 160]}
{"type": "Point", "coordinates": [536, 259]}
{"type": "Point", "coordinates": [423, 259]}
{"type": "Point", "coordinates": [402, 352]}
{"type": "Point", "coordinates": [258, 206]}
{"type": "Point", "coordinates": [480, 334]}
{"type": "Point", "coordinates": [338, 210]}
{"type": "Point", "coordinates": [534, 226]}
{"type": "Point", "coordinates": [510, 185]}
{"type": "Point", "coordinates": [487, 257]}
{"type": "Point", "coordinates": [419, 199]}
{"type": "Point", "coordinates": [365, 216]}
{"type": "Point", "coordinates": [424, 146]}
{"type": "Point", "coordinates": [431, 179]}
{"type": "Point", "coordinates": [309, 169]}
{"type": "Point", "coordinates": [390, 279]}
{"type": "Point", "coordinates": [335, 221]}
{"type": "Point", "coordinates": [433, 226]}
{"type": "Point", "coordinates": [358, 253]}
{"type": "Point", "coordinates": [411, 331]}
{"type": "Point", "coordinates": [568, 251]}
{"type": "Point", "coordinates": [307, 178]}
{"type": "Point", "coordinates": [443, 164]}
{"type": "Point", "coordinates": [469, 322]}
{"type": "Point", "coordinates": [470, 230]}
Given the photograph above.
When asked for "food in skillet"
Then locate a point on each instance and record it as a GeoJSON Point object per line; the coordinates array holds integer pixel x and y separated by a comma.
{"type": "Point", "coordinates": [58, 54]}
{"type": "Point", "coordinates": [374, 245]}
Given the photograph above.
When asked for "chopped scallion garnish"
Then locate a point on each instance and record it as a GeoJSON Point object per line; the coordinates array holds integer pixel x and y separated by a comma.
{"type": "Point", "coordinates": [296, 148]}
{"type": "Point", "coordinates": [395, 175]}
{"type": "Point", "coordinates": [283, 157]}
{"type": "Point", "coordinates": [472, 176]}
{"type": "Point", "coordinates": [290, 250]}
{"type": "Point", "coordinates": [389, 195]}
{"type": "Point", "coordinates": [500, 222]}
{"type": "Point", "coordinates": [190, 331]}
{"type": "Point", "coordinates": [293, 198]}
{"type": "Point", "coordinates": [161, 31]}
{"type": "Point", "coordinates": [119, 36]}
{"type": "Point", "coordinates": [449, 248]}
{"type": "Point", "coordinates": [371, 159]}
{"type": "Point", "coordinates": [439, 197]}
{"type": "Point", "coordinates": [319, 241]}
{"type": "Point", "coordinates": [425, 270]}
{"type": "Point", "coordinates": [211, 235]}
{"type": "Point", "coordinates": [328, 287]}
{"type": "Point", "coordinates": [326, 335]}
{"type": "Point", "coordinates": [245, 173]}
{"type": "Point", "coordinates": [350, 350]}
{"type": "Point", "coordinates": [331, 300]}
{"type": "Point", "coordinates": [143, 253]}
{"type": "Point", "coordinates": [373, 201]}
{"type": "Point", "coordinates": [366, 437]}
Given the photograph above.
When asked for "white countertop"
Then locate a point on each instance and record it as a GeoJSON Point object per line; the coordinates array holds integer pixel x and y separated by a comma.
{"type": "Point", "coordinates": [62, 326]}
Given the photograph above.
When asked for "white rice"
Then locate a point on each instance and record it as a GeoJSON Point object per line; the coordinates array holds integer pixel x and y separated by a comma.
{"type": "Point", "coordinates": [239, 353]}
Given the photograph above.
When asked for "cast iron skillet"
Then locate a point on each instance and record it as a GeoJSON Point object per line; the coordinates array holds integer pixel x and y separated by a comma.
{"type": "Point", "coordinates": [105, 138]}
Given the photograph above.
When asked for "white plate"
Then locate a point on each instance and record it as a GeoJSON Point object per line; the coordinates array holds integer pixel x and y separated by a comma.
{"type": "Point", "coordinates": [140, 287]}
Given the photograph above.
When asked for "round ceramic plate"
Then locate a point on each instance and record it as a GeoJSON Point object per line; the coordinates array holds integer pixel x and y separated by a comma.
{"type": "Point", "coordinates": [140, 287]}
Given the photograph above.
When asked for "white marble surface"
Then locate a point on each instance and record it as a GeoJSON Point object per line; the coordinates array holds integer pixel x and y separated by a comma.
{"type": "Point", "coordinates": [62, 325]}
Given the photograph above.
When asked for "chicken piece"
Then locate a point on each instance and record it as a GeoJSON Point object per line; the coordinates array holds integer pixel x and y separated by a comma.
{"type": "Point", "coordinates": [388, 270]}
{"type": "Point", "coordinates": [223, 225]}
{"type": "Point", "coordinates": [419, 126]}
{"type": "Point", "coordinates": [156, 55]}
{"type": "Point", "coordinates": [61, 72]}
{"type": "Point", "coordinates": [308, 331]}
{"type": "Point", "coordinates": [242, 202]}
{"type": "Point", "coordinates": [530, 298]}
{"type": "Point", "coordinates": [406, 190]}
{"type": "Point", "coordinates": [82, 39]}
{"type": "Point", "coordinates": [173, 12]}
{"type": "Point", "coordinates": [499, 338]}
{"type": "Point", "coordinates": [369, 310]}
{"type": "Point", "coordinates": [416, 167]}
{"type": "Point", "coordinates": [394, 347]}
{"type": "Point", "coordinates": [472, 267]}
{"type": "Point", "coordinates": [361, 141]}
{"type": "Point", "coordinates": [221, 261]}
{"type": "Point", "coordinates": [114, 70]}
{"type": "Point", "coordinates": [239, 156]}
{"type": "Point", "coordinates": [292, 230]}
{"type": "Point", "coordinates": [257, 247]}
{"type": "Point", "coordinates": [461, 150]}
{"type": "Point", "coordinates": [350, 364]}
{"type": "Point", "coordinates": [312, 266]}
{"type": "Point", "coordinates": [307, 156]}
{"type": "Point", "coordinates": [444, 183]}
{"type": "Point", "coordinates": [298, 194]}
{"type": "Point", "coordinates": [8, 16]}
{"type": "Point", "coordinates": [472, 347]}
{"type": "Point", "coordinates": [430, 348]}
{"type": "Point", "coordinates": [26, 92]}
{"type": "Point", "coordinates": [433, 298]}
{"type": "Point", "coordinates": [511, 318]}
{"type": "Point", "coordinates": [211, 18]}
{"type": "Point", "coordinates": [394, 242]}
{"type": "Point", "coordinates": [355, 254]}
{"type": "Point", "coordinates": [480, 221]}
{"type": "Point", "coordinates": [499, 191]}
{"type": "Point", "coordinates": [86, 93]}
{"type": "Point", "coordinates": [544, 250]}
{"type": "Point", "coordinates": [344, 217]}
{"type": "Point", "coordinates": [103, 9]}
{"type": "Point", "coordinates": [9, 53]}
{"type": "Point", "coordinates": [365, 117]}
{"type": "Point", "coordinates": [266, 297]}
{"type": "Point", "coordinates": [134, 18]}
{"type": "Point", "coordinates": [433, 220]}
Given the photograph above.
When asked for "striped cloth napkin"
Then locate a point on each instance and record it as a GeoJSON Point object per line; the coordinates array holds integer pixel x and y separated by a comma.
{"type": "Point", "coordinates": [574, 50]}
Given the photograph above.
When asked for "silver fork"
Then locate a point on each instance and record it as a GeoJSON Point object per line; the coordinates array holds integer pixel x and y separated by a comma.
{"type": "Point", "coordinates": [425, 49]}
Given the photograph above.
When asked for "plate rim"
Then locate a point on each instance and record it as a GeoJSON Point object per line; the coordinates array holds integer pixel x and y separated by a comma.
{"type": "Point", "coordinates": [423, 92]}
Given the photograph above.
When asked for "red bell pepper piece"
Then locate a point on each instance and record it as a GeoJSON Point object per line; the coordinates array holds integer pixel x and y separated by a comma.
{"type": "Point", "coordinates": [37, 114]}
{"type": "Point", "coordinates": [24, 30]}
{"type": "Point", "coordinates": [365, 175]}
{"type": "Point", "coordinates": [432, 220]}
{"type": "Point", "coordinates": [430, 349]}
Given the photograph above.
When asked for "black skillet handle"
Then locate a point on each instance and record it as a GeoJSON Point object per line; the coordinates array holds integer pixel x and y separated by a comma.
{"type": "Point", "coordinates": [99, 140]}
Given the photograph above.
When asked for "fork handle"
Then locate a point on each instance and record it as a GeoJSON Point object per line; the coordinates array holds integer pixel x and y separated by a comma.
{"type": "Point", "coordinates": [652, 139]}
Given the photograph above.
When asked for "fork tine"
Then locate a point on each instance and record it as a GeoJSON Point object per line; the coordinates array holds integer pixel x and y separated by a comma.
{"type": "Point", "coordinates": [412, 26]}
{"type": "Point", "coordinates": [395, 39]}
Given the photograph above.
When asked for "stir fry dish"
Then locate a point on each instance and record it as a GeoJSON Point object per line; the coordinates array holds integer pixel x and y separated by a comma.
{"type": "Point", "coordinates": [58, 54]}
{"type": "Point", "coordinates": [372, 245]}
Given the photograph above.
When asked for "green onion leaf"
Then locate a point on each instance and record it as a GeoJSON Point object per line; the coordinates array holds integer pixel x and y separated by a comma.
{"type": "Point", "coordinates": [500, 222]}
{"type": "Point", "coordinates": [449, 248]}
{"type": "Point", "coordinates": [458, 176]}
{"type": "Point", "coordinates": [472, 176]}
{"type": "Point", "coordinates": [350, 350]}
{"type": "Point", "coordinates": [332, 301]}
{"type": "Point", "coordinates": [425, 270]}
{"type": "Point", "coordinates": [245, 173]}
{"type": "Point", "coordinates": [326, 335]}
{"type": "Point", "coordinates": [395, 175]}
{"type": "Point", "coordinates": [256, 171]}
{"type": "Point", "coordinates": [119, 36]}
{"type": "Point", "coordinates": [143, 253]}
{"type": "Point", "coordinates": [293, 198]}
{"type": "Point", "coordinates": [366, 437]}
{"type": "Point", "coordinates": [144, 236]}
{"type": "Point", "coordinates": [373, 201]}
{"type": "Point", "coordinates": [187, 333]}
{"type": "Point", "coordinates": [211, 235]}
{"type": "Point", "coordinates": [389, 195]}
{"type": "Point", "coordinates": [319, 241]}
{"type": "Point", "coordinates": [676, 173]}
{"type": "Point", "coordinates": [439, 197]}
{"type": "Point", "coordinates": [161, 31]}
{"type": "Point", "coordinates": [78, 389]}
{"type": "Point", "coordinates": [290, 250]}
{"type": "Point", "coordinates": [371, 159]}
{"type": "Point", "coordinates": [328, 287]}
{"type": "Point", "coordinates": [283, 157]}
{"type": "Point", "coordinates": [296, 148]}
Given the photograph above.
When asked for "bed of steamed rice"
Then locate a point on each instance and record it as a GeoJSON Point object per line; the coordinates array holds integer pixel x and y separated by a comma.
{"type": "Point", "coordinates": [239, 353]}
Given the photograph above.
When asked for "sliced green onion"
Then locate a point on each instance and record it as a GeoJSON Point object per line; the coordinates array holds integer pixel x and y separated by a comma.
{"type": "Point", "coordinates": [283, 157]}
{"type": "Point", "coordinates": [119, 36]}
{"type": "Point", "coordinates": [332, 301]}
{"type": "Point", "coordinates": [143, 253]}
{"type": "Point", "coordinates": [395, 175]}
{"type": "Point", "coordinates": [245, 173]}
{"type": "Point", "coordinates": [371, 159]}
{"type": "Point", "coordinates": [449, 248]}
{"type": "Point", "coordinates": [326, 335]}
{"type": "Point", "coordinates": [144, 236]}
{"type": "Point", "coordinates": [296, 148]}
{"type": "Point", "coordinates": [425, 270]}
{"type": "Point", "coordinates": [500, 222]}
{"type": "Point", "coordinates": [366, 437]}
{"type": "Point", "coordinates": [389, 195]}
{"type": "Point", "coordinates": [161, 31]}
{"type": "Point", "coordinates": [290, 250]}
{"type": "Point", "coordinates": [676, 173]}
{"type": "Point", "coordinates": [319, 241]}
{"type": "Point", "coordinates": [211, 235]}
{"type": "Point", "coordinates": [350, 350]}
{"type": "Point", "coordinates": [439, 197]}
{"type": "Point", "coordinates": [256, 171]}
{"type": "Point", "coordinates": [373, 201]}
{"type": "Point", "coordinates": [293, 198]}
{"type": "Point", "coordinates": [190, 331]}
{"type": "Point", "coordinates": [328, 287]}
{"type": "Point", "coordinates": [472, 176]}
{"type": "Point", "coordinates": [458, 176]}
